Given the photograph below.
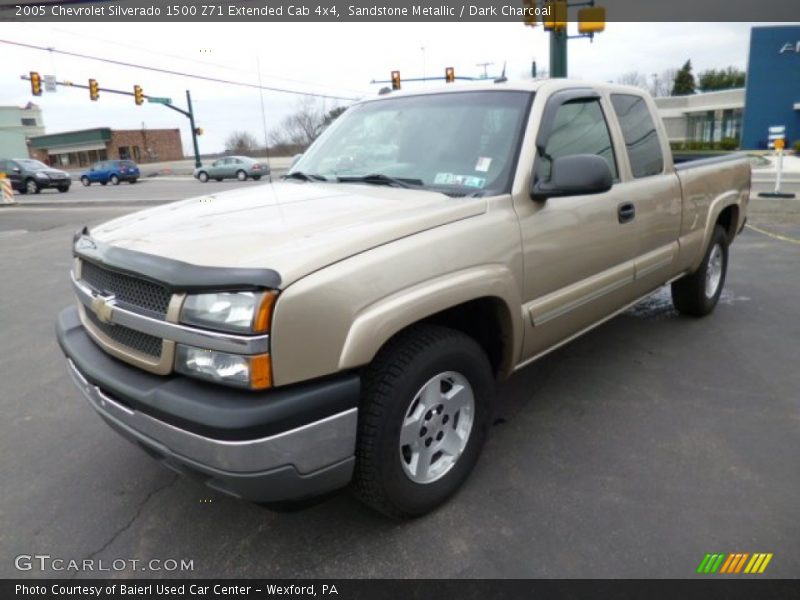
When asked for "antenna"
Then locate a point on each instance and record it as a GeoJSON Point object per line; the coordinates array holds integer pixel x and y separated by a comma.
{"type": "Point", "coordinates": [502, 78]}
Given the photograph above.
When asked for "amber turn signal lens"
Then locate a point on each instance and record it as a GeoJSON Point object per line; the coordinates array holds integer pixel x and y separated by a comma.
{"type": "Point", "coordinates": [260, 372]}
{"type": "Point", "coordinates": [264, 315]}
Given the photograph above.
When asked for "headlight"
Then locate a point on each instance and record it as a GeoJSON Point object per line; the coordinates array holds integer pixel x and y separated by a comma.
{"type": "Point", "coordinates": [253, 372]}
{"type": "Point", "coordinates": [237, 312]}
{"type": "Point", "coordinates": [42, 175]}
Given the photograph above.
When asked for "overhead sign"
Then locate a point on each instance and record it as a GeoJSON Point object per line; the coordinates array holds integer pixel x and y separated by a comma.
{"type": "Point", "coordinates": [790, 47]}
{"type": "Point", "coordinates": [50, 83]}
{"type": "Point", "coordinates": [159, 100]}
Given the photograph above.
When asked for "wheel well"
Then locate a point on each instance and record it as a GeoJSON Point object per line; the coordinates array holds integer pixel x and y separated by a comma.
{"type": "Point", "coordinates": [729, 219]}
{"type": "Point", "coordinates": [488, 322]}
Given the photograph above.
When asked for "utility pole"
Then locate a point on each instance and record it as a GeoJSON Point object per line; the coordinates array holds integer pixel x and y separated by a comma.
{"type": "Point", "coordinates": [558, 53]}
{"type": "Point", "coordinates": [591, 20]}
{"type": "Point", "coordinates": [485, 71]}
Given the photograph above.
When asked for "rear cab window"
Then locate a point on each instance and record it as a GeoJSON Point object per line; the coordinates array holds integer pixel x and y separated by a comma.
{"type": "Point", "coordinates": [640, 135]}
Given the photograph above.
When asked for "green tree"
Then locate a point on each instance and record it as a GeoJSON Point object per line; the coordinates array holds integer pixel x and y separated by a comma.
{"type": "Point", "coordinates": [684, 84]}
{"type": "Point", "coordinates": [722, 79]}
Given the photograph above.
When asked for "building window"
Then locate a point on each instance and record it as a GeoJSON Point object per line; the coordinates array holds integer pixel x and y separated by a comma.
{"type": "Point", "coordinates": [28, 122]}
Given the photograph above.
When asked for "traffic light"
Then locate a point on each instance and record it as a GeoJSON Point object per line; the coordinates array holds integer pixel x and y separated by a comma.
{"type": "Point", "coordinates": [592, 20]}
{"type": "Point", "coordinates": [94, 89]}
{"type": "Point", "coordinates": [557, 20]}
{"type": "Point", "coordinates": [395, 80]}
{"type": "Point", "coordinates": [449, 75]}
{"type": "Point", "coordinates": [138, 95]}
{"type": "Point", "coordinates": [529, 6]}
{"type": "Point", "coordinates": [36, 84]}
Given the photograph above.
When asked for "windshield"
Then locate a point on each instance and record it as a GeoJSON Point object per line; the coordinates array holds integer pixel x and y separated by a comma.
{"type": "Point", "coordinates": [32, 164]}
{"type": "Point", "coordinates": [458, 143]}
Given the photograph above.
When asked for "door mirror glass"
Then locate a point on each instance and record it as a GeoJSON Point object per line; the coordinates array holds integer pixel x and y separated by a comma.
{"type": "Point", "coordinates": [575, 175]}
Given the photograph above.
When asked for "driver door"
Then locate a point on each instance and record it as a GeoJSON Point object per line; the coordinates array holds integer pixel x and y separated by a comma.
{"type": "Point", "coordinates": [578, 250]}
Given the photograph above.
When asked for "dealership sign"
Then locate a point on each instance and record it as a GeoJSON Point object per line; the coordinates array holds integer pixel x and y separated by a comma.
{"type": "Point", "coordinates": [790, 47]}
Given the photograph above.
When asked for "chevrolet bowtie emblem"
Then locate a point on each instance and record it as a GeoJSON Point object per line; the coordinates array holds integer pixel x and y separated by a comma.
{"type": "Point", "coordinates": [103, 307]}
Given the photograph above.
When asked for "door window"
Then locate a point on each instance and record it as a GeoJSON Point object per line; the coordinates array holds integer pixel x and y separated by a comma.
{"type": "Point", "coordinates": [640, 134]}
{"type": "Point", "coordinates": [579, 128]}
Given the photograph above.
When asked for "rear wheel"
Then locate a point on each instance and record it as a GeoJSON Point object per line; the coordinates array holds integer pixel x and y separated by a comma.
{"type": "Point", "coordinates": [202, 176]}
{"type": "Point", "coordinates": [134, 180]}
{"type": "Point", "coordinates": [63, 188]}
{"type": "Point", "coordinates": [698, 293]}
{"type": "Point", "coordinates": [256, 177]}
{"type": "Point", "coordinates": [218, 178]}
{"type": "Point", "coordinates": [103, 182]}
{"type": "Point", "coordinates": [114, 180]}
{"type": "Point", "coordinates": [241, 175]}
{"type": "Point", "coordinates": [424, 415]}
{"type": "Point", "coordinates": [85, 181]}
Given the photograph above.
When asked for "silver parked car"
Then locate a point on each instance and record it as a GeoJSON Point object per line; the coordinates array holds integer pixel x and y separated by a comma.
{"type": "Point", "coordinates": [229, 167]}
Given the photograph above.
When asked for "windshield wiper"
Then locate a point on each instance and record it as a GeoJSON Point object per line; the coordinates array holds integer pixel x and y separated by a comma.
{"type": "Point", "coordinates": [381, 179]}
{"type": "Point", "coordinates": [304, 176]}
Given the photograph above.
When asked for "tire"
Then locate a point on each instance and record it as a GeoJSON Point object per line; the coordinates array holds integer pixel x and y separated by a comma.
{"type": "Point", "coordinates": [63, 188]}
{"type": "Point", "coordinates": [697, 294]}
{"type": "Point", "coordinates": [114, 180]}
{"type": "Point", "coordinates": [241, 175]}
{"type": "Point", "coordinates": [31, 187]}
{"type": "Point", "coordinates": [389, 477]}
{"type": "Point", "coordinates": [132, 181]}
{"type": "Point", "coordinates": [103, 183]}
{"type": "Point", "coordinates": [202, 176]}
{"type": "Point", "coordinates": [85, 181]}
{"type": "Point", "coordinates": [256, 177]}
{"type": "Point", "coordinates": [217, 178]}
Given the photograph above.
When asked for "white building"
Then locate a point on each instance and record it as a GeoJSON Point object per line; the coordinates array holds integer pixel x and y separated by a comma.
{"type": "Point", "coordinates": [17, 125]}
{"type": "Point", "coordinates": [704, 117]}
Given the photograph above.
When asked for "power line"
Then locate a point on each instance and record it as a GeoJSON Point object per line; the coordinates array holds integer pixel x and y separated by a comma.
{"type": "Point", "coordinates": [178, 73]}
{"type": "Point", "coordinates": [194, 60]}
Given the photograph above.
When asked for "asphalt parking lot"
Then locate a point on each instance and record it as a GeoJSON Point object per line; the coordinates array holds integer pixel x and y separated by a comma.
{"type": "Point", "coordinates": [631, 452]}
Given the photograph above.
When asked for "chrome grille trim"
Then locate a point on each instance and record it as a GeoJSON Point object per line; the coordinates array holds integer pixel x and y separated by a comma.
{"type": "Point", "coordinates": [201, 338]}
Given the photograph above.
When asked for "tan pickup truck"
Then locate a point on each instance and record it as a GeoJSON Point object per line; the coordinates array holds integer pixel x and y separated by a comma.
{"type": "Point", "coordinates": [347, 325]}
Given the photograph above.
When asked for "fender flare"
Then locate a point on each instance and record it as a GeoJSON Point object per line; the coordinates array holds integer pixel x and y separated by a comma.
{"type": "Point", "coordinates": [715, 208]}
{"type": "Point", "coordinates": [381, 320]}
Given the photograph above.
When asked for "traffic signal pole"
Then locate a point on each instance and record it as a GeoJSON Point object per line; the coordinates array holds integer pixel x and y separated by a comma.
{"type": "Point", "coordinates": [163, 101]}
{"type": "Point", "coordinates": [558, 53]}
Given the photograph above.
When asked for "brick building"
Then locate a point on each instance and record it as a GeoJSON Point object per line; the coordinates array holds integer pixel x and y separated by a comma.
{"type": "Point", "coordinates": [76, 149]}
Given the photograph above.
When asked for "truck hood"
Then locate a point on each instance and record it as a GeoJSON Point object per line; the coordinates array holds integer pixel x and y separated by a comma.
{"type": "Point", "coordinates": [294, 228]}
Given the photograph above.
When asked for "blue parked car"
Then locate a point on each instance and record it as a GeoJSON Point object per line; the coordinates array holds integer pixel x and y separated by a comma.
{"type": "Point", "coordinates": [111, 170]}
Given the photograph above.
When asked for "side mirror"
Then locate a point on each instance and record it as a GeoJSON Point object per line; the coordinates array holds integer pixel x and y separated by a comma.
{"type": "Point", "coordinates": [575, 175]}
{"type": "Point", "coordinates": [295, 158]}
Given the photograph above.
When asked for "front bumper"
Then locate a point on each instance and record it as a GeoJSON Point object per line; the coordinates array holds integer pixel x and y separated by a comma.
{"type": "Point", "coordinates": [282, 444]}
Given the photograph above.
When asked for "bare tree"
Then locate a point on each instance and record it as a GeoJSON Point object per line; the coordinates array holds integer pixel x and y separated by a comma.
{"type": "Point", "coordinates": [634, 78]}
{"type": "Point", "coordinates": [241, 142]}
{"type": "Point", "coordinates": [297, 131]}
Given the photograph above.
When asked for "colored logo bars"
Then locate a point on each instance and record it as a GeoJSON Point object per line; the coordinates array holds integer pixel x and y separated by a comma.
{"type": "Point", "coordinates": [726, 564]}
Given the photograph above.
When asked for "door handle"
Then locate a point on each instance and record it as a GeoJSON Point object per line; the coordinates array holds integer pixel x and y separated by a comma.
{"type": "Point", "coordinates": [626, 212]}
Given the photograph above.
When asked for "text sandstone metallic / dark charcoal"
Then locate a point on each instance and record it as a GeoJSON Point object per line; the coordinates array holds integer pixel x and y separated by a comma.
{"type": "Point", "coordinates": [130, 338]}
{"type": "Point", "coordinates": [134, 292]}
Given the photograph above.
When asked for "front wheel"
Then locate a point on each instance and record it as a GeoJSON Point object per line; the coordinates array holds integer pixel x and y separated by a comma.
{"type": "Point", "coordinates": [31, 187]}
{"type": "Point", "coordinates": [697, 294]}
{"type": "Point", "coordinates": [202, 176]}
{"type": "Point", "coordinates": [241, 175]}
{"type": "Point", "coordinates": [63, 188]}
{"type": "Point", "coordinates": [424, 415]}
{"type": "Point", "coordinates": [132, 181]}
{"type": "Point", "coordinates": [114, 180]}
{"type": "Point", "coordinates": [85, 181]}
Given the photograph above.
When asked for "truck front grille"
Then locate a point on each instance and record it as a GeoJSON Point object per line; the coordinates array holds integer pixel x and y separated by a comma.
{"type": "Point", "coordinates": [133, 292]}
{"type": "Point", "coordinates": [129, 338]}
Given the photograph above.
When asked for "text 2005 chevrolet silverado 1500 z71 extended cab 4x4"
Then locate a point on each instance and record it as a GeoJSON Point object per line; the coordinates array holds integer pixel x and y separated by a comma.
{"type": "Point", "coordinates": [348, 324]}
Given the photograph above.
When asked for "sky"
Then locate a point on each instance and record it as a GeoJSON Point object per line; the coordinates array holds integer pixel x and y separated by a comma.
{"type": "Point", "coordinates": [336, 59]}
